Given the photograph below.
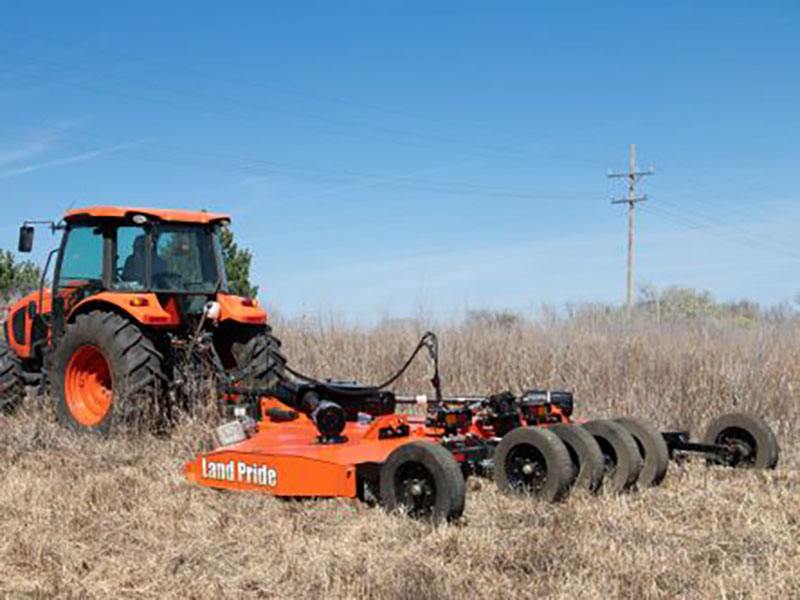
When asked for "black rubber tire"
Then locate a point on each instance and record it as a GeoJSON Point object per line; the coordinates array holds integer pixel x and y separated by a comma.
{"type": "Point", "coordinates": [652, 448]}
{"type": "Point", "coordinates": [751, 430]}
{"type": "Point", "coordinates": [622, 460]}
{"type": "Point", "coordinates": [442, 478]}
{"type": "Point", "coordinates": [545, 450]}
{"type": "Point", "coordinates": [258, 357]}
{"type": "Point", "coordinates": [134, 363]}
{"type": "Point", "coordinates": [585, 455]}
{"type": "Point", "coordinates": [12, 385]}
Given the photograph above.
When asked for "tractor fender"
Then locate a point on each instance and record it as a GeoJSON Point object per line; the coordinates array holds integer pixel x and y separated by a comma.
{"type": "Point", "coordinates": [143, 308]}
{"type": "Point", "coordinates": [18, 327]}
{"type": "Point", "coordinates": [241, 310]}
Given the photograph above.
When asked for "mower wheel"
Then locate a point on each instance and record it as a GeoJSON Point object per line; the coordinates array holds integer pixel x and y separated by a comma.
{"type": "Point", "coordinates": [752, 440]}
{"type": "Point", "coordinates": [533, 461]}
{"type": "Point", "coordinates": [106, 371]}
{"type": "Point", "coordinates": [12, 385]}
{"type": "Point", "coordinates": [623, 462]}
{"type": "Point", "coordinates": [423, 480]}
{"type": "Point", "coordinates": [585, 454]}
{"type": "Point", "coordinates": [652, 448]}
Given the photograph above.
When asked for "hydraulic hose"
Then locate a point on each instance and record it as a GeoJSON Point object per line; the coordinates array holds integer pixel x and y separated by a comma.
{"type": "Point", "coordinates": [429, 341]}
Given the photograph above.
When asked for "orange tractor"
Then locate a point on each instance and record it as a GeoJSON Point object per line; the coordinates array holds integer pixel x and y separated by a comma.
{"type": "Point", "coordinates": [139, 311]}
{"type": "Point", "coordinates": [138, 308]}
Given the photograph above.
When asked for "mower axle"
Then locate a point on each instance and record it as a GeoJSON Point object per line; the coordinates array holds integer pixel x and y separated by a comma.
{"type": "Point", "coordinates": [679, 442]}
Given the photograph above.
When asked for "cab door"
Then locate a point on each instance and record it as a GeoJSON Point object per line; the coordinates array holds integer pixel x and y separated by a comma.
{"type": "Point", "coordinates": [82, 268]}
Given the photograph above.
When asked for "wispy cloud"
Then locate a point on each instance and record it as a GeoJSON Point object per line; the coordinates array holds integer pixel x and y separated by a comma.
{"type": "Point", "coordinates": [33, 147]}
{"type": "Point", "coordinates": [39, 142]}
{"type": "Point", "coordinates": [65, 160]}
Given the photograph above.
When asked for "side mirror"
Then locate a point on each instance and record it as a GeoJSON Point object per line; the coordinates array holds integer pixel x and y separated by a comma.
{"type": "Point", "coordinates": [25, 238]}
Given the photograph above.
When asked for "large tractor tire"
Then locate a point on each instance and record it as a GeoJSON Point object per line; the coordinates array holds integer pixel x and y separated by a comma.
{"type": "Point", "coordinates": [106, 374]}
{"type": "Point", "coordinates": [258, 358]}
{"type": "Point", "coordinates": [423, 480]}
{"type": "Point", "coordinates": [12, 385]}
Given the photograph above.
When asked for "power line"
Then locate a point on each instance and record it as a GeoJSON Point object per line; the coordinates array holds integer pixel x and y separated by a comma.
{"type": "Point", "coordinates": [134, 95]}
{"type": "Point", "coordinates": [698, 202]}
{"type": "Point", "coordinates": [292, 92]}
{"type": "Point", "coordinates": [254, 107]}
{"type": "Point", "coordinates": [726, 231]}
{"type": "Point", "coordinates": [510, 152]}
{"type": "Point", "coordinates": [180, 156]}
{"type": "Point", "coordinates": [701, 199]}
{"type": "Point", "coordinates": [128, 89]}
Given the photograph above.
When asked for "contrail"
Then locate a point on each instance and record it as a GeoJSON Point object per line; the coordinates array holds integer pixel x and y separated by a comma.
{"type": "Point", "coordinates": [67, 160]}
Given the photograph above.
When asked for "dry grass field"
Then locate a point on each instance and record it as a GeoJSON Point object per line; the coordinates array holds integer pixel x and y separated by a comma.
{"type": "Point", "coordinates": [87, 517]}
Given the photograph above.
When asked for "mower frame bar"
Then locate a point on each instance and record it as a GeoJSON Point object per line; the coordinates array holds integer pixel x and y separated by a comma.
{"type": "Point", "coordinates": [423, 399]}
{"type": "Point", "coordinates": [679, 441]}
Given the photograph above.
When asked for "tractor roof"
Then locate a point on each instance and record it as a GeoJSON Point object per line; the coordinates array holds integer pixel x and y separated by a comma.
{"type": "Point", "coordinates": [162, 214]}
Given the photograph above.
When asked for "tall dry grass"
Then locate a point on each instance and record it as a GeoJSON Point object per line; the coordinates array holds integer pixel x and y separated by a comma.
{"type": "Point", "coordinates": [679, 374]}
{"type": "Point", "coordinates": [81, 516]}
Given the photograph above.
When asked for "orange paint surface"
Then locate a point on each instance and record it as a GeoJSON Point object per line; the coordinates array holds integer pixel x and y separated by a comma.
{"type": "Point", "coordinates": [87, 385]}
{"type": "Point", "coordinates": [286, 459]}
{"type": "Point", "coordinates": [26, 350]}
{"type": "Point", "coordinates": [234, 308]}
{"type": "Point", "coordinates": [142, 307]}
{"type": "Point", "coordinates": [163, 214]}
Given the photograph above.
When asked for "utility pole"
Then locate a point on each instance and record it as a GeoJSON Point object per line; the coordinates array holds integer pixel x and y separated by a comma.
{"type": "Point", "coordinates": [633, 176]}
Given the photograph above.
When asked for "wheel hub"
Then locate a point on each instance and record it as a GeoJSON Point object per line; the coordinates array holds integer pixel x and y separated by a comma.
{"type": "Point", "coordinates": [87, 386]}
{"type": "Point", "coordinates": [416, 489]}
{"type": "Point", "coordinates": [740, 450]}
{"type": "Point", "coordinates": [527, 469]}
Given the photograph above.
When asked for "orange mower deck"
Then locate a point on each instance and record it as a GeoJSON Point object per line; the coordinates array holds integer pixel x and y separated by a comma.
{"type": "Point", "coordinates": [287, 459]}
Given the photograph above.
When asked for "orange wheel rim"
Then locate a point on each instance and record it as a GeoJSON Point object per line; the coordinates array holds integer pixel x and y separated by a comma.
{"type": "Point", "coordinates": [87, 386]}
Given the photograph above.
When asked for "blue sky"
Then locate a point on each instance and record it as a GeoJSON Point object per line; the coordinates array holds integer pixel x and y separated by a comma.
{"type": "Point", "coordinates": [383, 158]}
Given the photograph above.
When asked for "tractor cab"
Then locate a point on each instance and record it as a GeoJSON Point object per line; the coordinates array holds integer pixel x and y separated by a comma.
{"type": "Point", "coordinates": [161, 266]}
{"type": "Point", "coordinates": [174, 255]}
{"type": "Point", "coordinates": [129, 250]}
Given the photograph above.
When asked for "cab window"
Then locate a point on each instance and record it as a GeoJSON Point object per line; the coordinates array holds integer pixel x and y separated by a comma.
{"type": "Point", "coordinates": [82, 260]}
{"type": "Point", "coordinates": [131, 259]}
{"type": "Point", "coordinates": [184, 259]}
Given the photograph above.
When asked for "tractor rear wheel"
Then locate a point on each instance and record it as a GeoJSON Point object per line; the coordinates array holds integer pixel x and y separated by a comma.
{"type": "Point", "coordinates": [585, 454]}
{"type": "Point", "coordinates": [621, 456]}
{"type": "Point", "coordinates": [652, 448]}
{"type": "Point", "coordinates": [533, 461]}
{"type": "Point", "coordinates": [106, 373]}
{"type": "Point", "coordinates": [12, 385]}
{"type": "Point", "coordinates": [423, 480]}
{"type": "Point", "coordinates": [752, 441]}
{"type": "Point", "coordinates": [258, 357]}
